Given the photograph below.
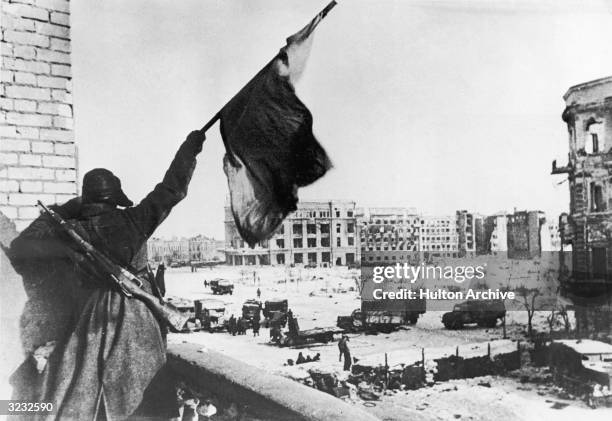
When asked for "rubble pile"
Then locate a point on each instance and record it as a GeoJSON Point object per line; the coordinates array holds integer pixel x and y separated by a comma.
{"type": "Point", "coordinates": [457, 367]}
{"type": "Point", "coordinates": [397, 377]}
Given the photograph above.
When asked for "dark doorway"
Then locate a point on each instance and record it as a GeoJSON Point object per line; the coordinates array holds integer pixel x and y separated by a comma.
{"type": "Point", "coordinates": [599, 262]}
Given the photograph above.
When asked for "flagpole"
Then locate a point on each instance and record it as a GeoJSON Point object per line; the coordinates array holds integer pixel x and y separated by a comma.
{"type": "Point", "coordinates": [217, 116]}
{"type": "Point", "coordinates": [211, 122]}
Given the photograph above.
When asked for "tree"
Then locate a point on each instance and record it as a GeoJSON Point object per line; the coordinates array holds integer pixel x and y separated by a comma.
{"type": "Point", "coordinates": [528, 299]}
{"type": "Point", "coordinates": [552, 319]}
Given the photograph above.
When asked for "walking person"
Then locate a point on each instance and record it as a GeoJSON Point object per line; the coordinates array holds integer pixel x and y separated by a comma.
{"type": "Point", "coordinates": [344, 352]}
{"type": "Point", "coordinates": [256, 326]}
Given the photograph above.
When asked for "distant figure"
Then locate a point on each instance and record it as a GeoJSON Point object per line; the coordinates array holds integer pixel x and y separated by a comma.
{"type": "Point", "coordinates": [232, 325]}
{"type": "Point", "coordinates": [344, 352]}
{"type": "Point", "coordinates": [292, 323]}
{"type": "Point", "coordinates": [258, 293]}
{"type": "Point", "coordinates": [205, 283]}
{"type": "Point", "coordinates": [256, 325]}
{"type": "Point", "coordinates": [300, 359]}
{"type": "Point", "coordinates": [240, 326]}
{"type": "Point", "coordinates": [309, 358]}
{"type": "Point", "coordinates": [160, 279]}
{"type": "Point", "coordinates": [317, 357]}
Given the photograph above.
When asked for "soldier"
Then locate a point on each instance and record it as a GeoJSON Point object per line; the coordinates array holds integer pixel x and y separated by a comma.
{"type": "Point", "coordinates": [160, 278]}
{"type": "Point", "coordinates": [256, 326]}
{"type": "Point", "coordinates": [113, 346]}
{"type": "Point", "coordinates": [345, 352]}
{"type": "Point", "coordinates": [232, 325]}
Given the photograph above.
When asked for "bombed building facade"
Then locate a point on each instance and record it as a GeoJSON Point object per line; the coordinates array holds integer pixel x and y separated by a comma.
{"type": "Point", "coordinates": [389, 235]}
{"type": "Point", "coordinates": [184, 250]}
{"type": "Point", "coordinates": [524, 234]}
{"type": "Point", "coordinates": [587, 227]}
{"type": "Point", "coordinates": [316, 234]}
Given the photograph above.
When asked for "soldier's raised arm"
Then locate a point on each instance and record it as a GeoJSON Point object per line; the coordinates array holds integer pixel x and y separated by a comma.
{"type": "Point", "coordinates": [156, 206]}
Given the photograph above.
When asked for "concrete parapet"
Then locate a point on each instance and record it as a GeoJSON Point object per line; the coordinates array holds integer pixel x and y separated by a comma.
{"type": "Point", "coordinates": [256, 393]}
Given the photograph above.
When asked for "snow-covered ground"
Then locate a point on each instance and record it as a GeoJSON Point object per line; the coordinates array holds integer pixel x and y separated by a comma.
{"type": "Point", "coordinates": [318, 296]}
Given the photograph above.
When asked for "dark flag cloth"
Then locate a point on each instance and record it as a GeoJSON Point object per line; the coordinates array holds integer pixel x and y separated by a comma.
{"type": "Point", "coordinates": [271, 150]}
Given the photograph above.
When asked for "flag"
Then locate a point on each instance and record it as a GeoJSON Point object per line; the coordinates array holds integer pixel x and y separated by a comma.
{"type": "Point", "coordinates": [270, 148]}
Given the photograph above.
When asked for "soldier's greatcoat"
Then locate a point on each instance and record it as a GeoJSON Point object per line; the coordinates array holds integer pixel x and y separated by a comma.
{"type": "Point", "coordinates": [112, 346]}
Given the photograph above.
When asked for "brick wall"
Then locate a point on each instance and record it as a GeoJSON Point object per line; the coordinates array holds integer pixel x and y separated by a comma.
{"type": "Point", "coordinates": [37, 151]}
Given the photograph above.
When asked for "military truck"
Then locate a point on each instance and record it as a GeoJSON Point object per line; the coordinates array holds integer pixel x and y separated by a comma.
{"type": "Point", "coordinates": [296, 336]}
{"type": "Point", "coordinates": [251, 309]}
{"type": "Point", "coordinates": [275, 310]}
{"type": "Point", "coordinates": [211, 314]}
{"type": "Point", "coordinates": [484, 313]}
{"type": "Point", "coordinates": [381, 320]}
{"type": "Point", "coordinates": [186, 307]}
{"type": "Point", "coordinates": [221, 286]}
{"type": "Point", "coordinates": [383, 315]}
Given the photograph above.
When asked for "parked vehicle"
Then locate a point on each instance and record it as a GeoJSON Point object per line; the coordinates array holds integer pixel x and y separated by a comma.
{"type": "Point", "coordinates": [277, 310]}
{"type": "Point", "coordinates": [186, 307]}
{"type": "Point", "coordinates": [211, 314]}
{"type": "Point", "coordinates": [384, 315]}
{"type": "Point", "coordinates": [484, 313]}
{"type": "Point", "coordinates": [251, 309]}
{"type": "Point", "coordinates": [295, 336]}
{"type": "Point", "coordinates": [221, 286]}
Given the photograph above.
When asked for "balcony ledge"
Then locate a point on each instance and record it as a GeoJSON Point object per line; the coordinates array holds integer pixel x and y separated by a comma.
{"type": "Point", "coordinates": [261, 395]}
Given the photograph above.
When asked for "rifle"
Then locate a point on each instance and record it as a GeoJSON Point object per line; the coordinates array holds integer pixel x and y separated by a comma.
{"type": "Point", "coordinates": [128, 284]}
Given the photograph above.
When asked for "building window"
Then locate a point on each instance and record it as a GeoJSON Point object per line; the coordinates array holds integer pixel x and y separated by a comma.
{"type": "Point", "coordinates": [597, 198]}
{"type": "Point", "coordinates": [350, 228]}
{"type": "Point", "coordinates": [280, 243]}
{"type": "Point", "coordinates": [325, 258]}
{"type": "Point", "coordinates": [350, 258]}
{"type": "Point", "coordinates": [311, 228]}
{"type": "Point", "coordinates": [351, 241]}
{"type": "Point", "coordinates": [312, 258]}
{"type": "Point", "coordinates": [337, 213]}
{"type": "Point", "coordinates": [280, 259]}
{"type": "Point", "coordinates": [593, 142]}
{"type": "Point", "coordinates": [338, 242]}
{"type": "Point", "coordinates": [324, 228]}
{"type": "Point", "coordinates": [312, 242]}
{"type": "Point", "coordinates": [297, 229]}
{"type": "Point", "coordinates": [297, 243]}
{"type": "Point", "coordinates": [298, 258]}
{"type": "Point", "coordinates": [598, 260]}
{"type": "Point", "coordinates": [324, 241]}
{"type": "Point", "coordinates": [338, 228]}
{"type": "Point", "coordinates": [349, 213]}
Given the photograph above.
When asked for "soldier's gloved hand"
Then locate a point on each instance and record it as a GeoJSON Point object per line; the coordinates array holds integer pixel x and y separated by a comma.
{"type": "Point", "coordinates": [197, 136]}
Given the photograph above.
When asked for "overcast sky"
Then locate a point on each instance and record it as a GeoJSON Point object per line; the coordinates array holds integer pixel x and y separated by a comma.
{"type": "Point", "coordinates": [438, 105]}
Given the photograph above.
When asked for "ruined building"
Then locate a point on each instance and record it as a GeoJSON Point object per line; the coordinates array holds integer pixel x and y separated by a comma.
{"type": "Point", "coordinates": [588, 227]}
{"type": "Point", "coordinates": [523, 234]}
{"type": "Point", "coordinates": [389, 235]}
{"type": "Point", "coordinates": [316, 234]}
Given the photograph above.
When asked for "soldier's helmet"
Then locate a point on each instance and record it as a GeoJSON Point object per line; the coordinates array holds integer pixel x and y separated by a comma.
{"type": "Point", "coordinates": [102, 186]}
